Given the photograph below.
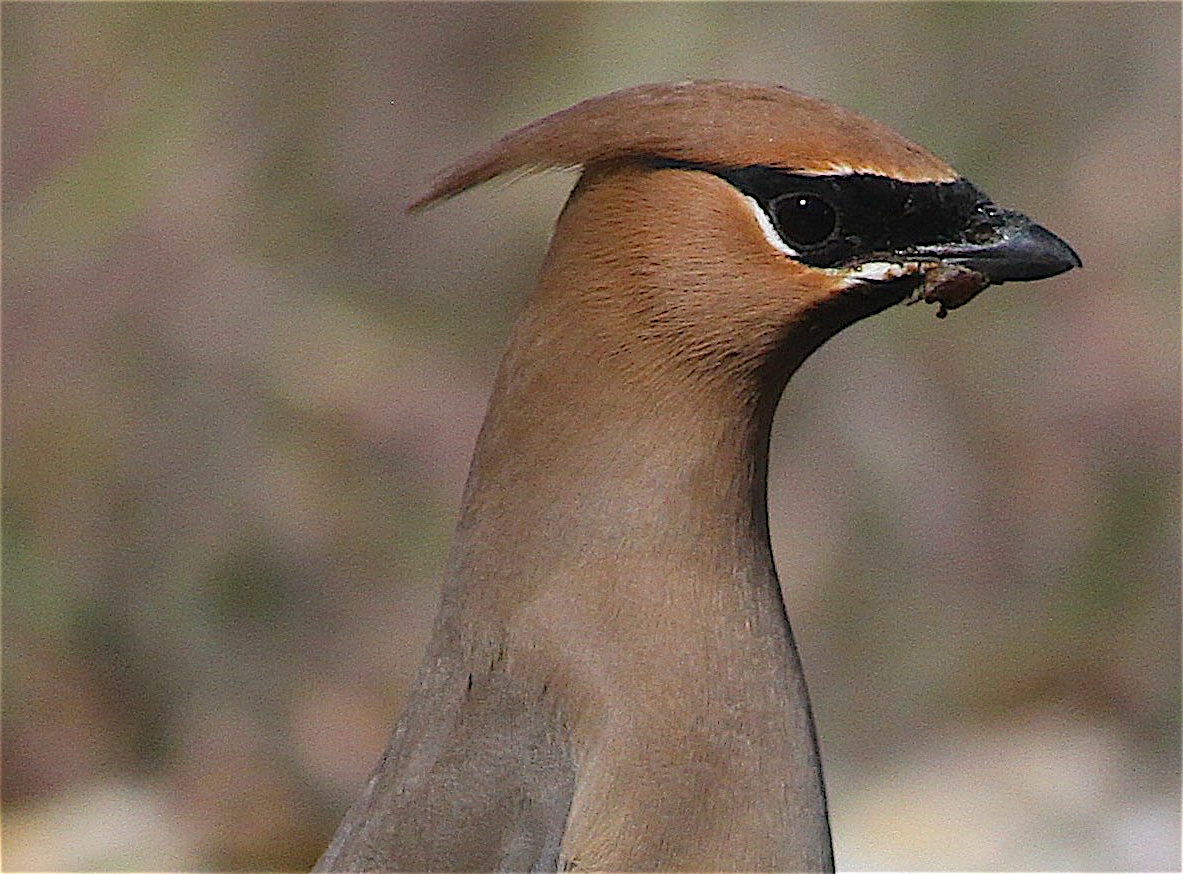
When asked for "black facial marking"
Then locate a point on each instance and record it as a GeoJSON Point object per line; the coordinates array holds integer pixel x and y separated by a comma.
{"type": "Point", "coordinates": [844, 220]}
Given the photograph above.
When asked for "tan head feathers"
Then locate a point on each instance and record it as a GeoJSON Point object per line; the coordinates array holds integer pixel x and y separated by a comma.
{"type": "Point", "coordinates": [716, 123]}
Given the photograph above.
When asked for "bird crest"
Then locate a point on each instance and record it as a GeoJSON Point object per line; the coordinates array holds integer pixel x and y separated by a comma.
{"type": "Point", "coordinates": [711, 123]}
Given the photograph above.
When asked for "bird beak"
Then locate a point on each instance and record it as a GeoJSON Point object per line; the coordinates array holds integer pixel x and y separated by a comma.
{"type": "Point", "coordinates": [999, 246]}
{"type": "Point", "coordinates": [1014, 248]}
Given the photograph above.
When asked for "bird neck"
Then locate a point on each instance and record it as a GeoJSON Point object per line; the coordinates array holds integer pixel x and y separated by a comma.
{"type": "Point", "coordinates": [612, 562]}
{"type": "Point", "coordinates": [613, 486]}
{"type": "Point", "coordinates": [616, 489]}
{"type": "Point", "coordinates": [623, 461]}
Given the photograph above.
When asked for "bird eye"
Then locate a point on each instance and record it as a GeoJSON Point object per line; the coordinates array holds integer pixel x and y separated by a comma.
{"type": "Point", "coordinates": [804, 219]}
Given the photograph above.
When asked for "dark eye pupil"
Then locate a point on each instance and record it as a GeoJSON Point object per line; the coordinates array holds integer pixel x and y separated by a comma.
{"type": "Point", "coordinates": [804, 219]}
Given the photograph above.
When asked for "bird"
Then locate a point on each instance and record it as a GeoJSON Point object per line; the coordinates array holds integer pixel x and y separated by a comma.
{"type": "Point", "coordinates": [612, 681]}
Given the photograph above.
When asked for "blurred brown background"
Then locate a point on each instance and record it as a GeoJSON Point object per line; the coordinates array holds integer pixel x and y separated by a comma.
{"type": "Point", "coordinates": [241, 387]}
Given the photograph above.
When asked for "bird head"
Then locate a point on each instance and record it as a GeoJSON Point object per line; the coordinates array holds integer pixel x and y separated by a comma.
{"type": "Point", "coordinates": [728, 216]}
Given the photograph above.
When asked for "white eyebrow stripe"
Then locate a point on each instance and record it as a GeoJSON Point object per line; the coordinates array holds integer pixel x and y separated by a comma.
{"type": "Point", "coordinates": [841, 168]}
{"type": "Point", "coordinates": [834, 168]}
{"type": "Point", "coordinates": [774, 239]}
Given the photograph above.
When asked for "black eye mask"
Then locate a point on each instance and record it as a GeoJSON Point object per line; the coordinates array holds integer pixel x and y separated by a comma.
{"type": "Point", "coordinates": [831, 221]}
{"type": "Point", "coordinates": [839, 220]}
{"type": "Point", "coordinates": [963, 240]}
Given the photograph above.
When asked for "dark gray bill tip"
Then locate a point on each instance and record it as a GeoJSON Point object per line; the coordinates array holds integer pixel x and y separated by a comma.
{"type": "Point", "coordinates": [1018, 250]}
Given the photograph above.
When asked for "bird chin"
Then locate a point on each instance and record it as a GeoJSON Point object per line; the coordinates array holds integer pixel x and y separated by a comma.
{"type": "Point", "coordinates": [949, 286]}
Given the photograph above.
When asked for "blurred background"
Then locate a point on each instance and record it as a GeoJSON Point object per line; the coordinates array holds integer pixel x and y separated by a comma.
{"type": "Point", "coordinates": [241, 387]}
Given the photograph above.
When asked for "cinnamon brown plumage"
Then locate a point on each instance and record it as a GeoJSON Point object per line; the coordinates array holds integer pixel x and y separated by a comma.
{"type": "Point", "coordinates": [612, 683]}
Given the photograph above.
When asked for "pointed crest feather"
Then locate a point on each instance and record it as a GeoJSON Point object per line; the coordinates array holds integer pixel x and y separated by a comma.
{"type": "Point", "coordinates": [717, 123]}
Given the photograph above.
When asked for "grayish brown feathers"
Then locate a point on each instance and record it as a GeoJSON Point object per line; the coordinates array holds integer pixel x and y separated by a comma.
{"type": "Point", "coordinates": [612, 683]}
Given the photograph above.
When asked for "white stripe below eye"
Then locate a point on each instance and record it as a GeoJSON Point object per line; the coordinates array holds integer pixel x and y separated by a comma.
{"type": "Point", "coordinates": [881, 271]}
{"type": "Point", "coordinates": [774, 239]}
